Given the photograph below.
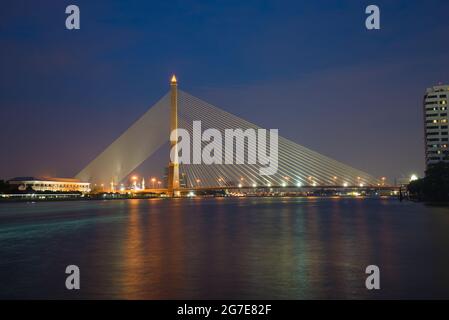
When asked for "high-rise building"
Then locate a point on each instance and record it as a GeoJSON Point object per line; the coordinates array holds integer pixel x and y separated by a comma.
{"type": "Point", "coordinates": [436, 124]}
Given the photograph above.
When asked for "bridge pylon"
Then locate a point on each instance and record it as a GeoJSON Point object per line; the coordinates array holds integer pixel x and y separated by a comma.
{"type": "Point", "coordinates": [173, 166]}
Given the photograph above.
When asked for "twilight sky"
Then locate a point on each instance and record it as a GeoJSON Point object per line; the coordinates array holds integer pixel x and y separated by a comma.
{"type": "Point", "coordinates": [309, 68]}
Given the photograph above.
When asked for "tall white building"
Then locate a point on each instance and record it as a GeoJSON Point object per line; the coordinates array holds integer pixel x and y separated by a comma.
{"type": "Point", "coordinates": [436, 124]}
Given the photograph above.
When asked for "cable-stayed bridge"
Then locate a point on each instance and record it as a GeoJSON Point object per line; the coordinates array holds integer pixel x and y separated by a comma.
{"type": "Point", "coordinates": [297, 165]}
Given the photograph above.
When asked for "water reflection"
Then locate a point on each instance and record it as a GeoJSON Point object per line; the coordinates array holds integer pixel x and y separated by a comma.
{"type": "Point", "coordinates": [226, 248]}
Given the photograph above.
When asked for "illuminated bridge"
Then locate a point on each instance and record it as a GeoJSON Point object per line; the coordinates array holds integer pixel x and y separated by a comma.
{"type": "Point", "coordinates": [298, 166]}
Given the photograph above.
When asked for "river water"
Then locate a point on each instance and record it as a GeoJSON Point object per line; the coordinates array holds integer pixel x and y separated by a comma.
{"type": "Point", "coordinates": [224, 248]}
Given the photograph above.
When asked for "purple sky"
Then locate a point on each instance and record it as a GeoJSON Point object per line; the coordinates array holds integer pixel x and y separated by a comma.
{"type": "Point", "coordinates": [312, 70]}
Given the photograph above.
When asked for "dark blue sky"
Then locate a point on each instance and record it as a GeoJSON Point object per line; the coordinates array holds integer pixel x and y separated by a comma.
{"type": "Point", "coordinates": [309, 68]}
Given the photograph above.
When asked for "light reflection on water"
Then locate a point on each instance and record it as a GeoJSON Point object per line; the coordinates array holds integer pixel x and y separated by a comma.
{"type": "Point", "coordinates": [289, 248]}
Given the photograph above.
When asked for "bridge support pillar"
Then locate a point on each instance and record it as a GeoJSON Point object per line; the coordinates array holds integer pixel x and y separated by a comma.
{"type": "Point", "coordinates": [173, 167]}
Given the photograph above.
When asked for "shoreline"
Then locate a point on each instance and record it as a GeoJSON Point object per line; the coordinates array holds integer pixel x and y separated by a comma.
{"type": "Point", "coordinates": [36, 199]}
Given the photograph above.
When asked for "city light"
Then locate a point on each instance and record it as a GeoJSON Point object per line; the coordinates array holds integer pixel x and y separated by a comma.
{"type": "Point", "coordinates": [413, 177]}
{"type": "Point", "coordinates": [298, 184]}
{"type": "Point", "coordinates": [254, 185]}
{"type": "Point", "coordinates": [345, 184]}
{"type": "Point", "coordinates": [240, 185]}
{"type": "Point", "coordinates": [191, 194]}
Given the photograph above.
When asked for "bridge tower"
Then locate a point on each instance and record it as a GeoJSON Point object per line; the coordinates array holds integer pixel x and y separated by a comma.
{"type": "Point", "coordinates": [173, 167]}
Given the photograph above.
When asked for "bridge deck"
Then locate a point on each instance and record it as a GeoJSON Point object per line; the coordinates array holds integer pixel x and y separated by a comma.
{"type": "Point", "coordinates": [277, 188]}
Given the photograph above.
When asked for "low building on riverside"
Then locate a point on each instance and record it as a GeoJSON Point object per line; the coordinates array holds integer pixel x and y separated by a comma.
{"type": "Point", "coordinates": [50, 184]}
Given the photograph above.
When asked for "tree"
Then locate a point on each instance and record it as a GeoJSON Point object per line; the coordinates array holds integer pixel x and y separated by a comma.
{"type": "Point", "coordinates": [434, 186]}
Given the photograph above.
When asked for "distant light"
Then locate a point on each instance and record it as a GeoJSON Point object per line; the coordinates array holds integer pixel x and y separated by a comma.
{"type": "Point", "coordinates": [240, 185]}
{"type": "Point", "coordinates": [361, 184]}
{"type": "Point", "coordinates": [413, 177]}
{"type": "Point", "coordinates": [269, 184]}
{"type": "Point", "coordinates": [191, 194]}
{"type": "Point", "coordinates": [298, 184]}
{"type": "Point", "coordinates": [173, 79]}
{"type": "Point", "coordinates": [284, 184]}
{"type": "Point", "coordinates": [314, 184]}
{"type": "Point", "coordinates": [254, 185]}
{"type": "Point", "coordinates": [345, 184]}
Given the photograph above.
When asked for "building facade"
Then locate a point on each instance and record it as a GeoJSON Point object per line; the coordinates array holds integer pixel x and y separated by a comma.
{"type": "Point", "coordinates": [436, 130]}
{"type": "Point", "coordinates": [50, 184]}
